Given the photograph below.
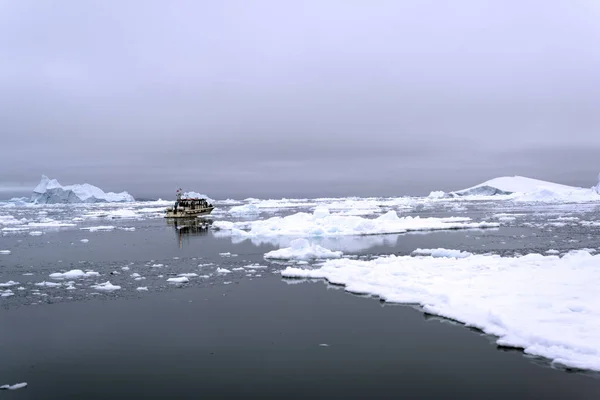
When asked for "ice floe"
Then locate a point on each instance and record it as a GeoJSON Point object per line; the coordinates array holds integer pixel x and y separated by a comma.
{"type": "Point", "coordinates": [106, 286]}
{"type": "Point", "coordinates": [302, 249]}
{"type": "Point", "coordinates": [74, 274]}
{"type": "Point", "coordinates": [14, 387]}
{"type": "Point", "coordinates": [4, 251]}
{"type": "Point", "coordinates": [545, 304]}
{"type": "Point", "coordinates": [322, 223]}
{"type": "Point", "coordinates": [180, 279]}
{"type": "Point", "coordinates": [440, 252]}
{"type": "Point", "coordinates": [142, 288]}
{"type": "Point", "coordinates": [9, 284]}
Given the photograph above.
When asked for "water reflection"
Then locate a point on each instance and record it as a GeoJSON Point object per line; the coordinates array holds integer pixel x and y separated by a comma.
{"type": "Point", "coordinates": [186, 227]}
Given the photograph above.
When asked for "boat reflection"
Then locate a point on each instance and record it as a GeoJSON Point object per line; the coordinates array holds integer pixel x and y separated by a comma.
{"type": "Point", "coordinates": [187, 227]}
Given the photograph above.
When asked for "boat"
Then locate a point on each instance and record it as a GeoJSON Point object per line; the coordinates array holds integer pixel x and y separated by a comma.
{"type": "Point", "coordinates": [188, 207]}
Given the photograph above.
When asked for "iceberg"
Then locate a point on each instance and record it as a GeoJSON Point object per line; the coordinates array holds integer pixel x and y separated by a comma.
{"type": "Point", "coordinates": [49, 191]}
{"type": "Point", "coordinates": [520, 188]}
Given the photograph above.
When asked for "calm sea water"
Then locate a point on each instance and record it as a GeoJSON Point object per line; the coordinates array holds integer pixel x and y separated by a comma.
{"type": "Point", "coordinates": [248, 333]}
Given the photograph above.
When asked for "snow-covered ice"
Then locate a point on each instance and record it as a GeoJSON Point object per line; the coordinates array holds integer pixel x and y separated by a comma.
{"type": "Point", "coordinates": [73, 274]}
{"type": "Point", "coordinates": [4, 251]}
{"type": "Point", "coordinates": [547, 305]}
{"type": "Point", "coordinates": [450, 253]}
{"type": "Point", "coordinates": [49, 191]}
{"type": "Point", "coordinates": [302, 249]}
{"type": "Point", "coordinates": [142, 288]}
{"type": "Point", "coordinates": [9, 284]}
{"type": "Point", "coordinates": [98, 228]}
{"type": "Point", "coordinates": [223, 271]}
{"type": "Point", "coordinates": [322, 223]}
{"type": "Point", "coordinates": [106, 286]}
{"type": "Point", "coordinates": [181, 279]}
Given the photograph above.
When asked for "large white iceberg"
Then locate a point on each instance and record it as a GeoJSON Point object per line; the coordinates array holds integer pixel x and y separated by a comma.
{"type": "Point", "coordinates": [49, 191]}
{"type": "Point", "coordinates": [520, 188]}
{"type": "Point", "coordinates": [546, 305]}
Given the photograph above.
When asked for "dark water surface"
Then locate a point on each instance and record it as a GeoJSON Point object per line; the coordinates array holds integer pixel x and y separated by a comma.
{"type": "Point", "coordinates": [248, 333]}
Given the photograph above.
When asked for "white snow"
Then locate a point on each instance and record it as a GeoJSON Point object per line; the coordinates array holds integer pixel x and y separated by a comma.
{"type": "Point", "coordinates": [4, 251]}
{"type": "Point", "coordinates": [547, 305]}
{"type": "Point", "coordinates": [321, 223]}
{"type": "Point", "coordinates": [73, 274]}
{"type": "Point", "coordinates": [49, 191]}
{"type": "Point", "coordinates": [6, 293]}
{"type": "Point", "coordinates": [223, 271]}
{"type": "Point", "coordinates": [9, 284]}
{"type": "Point", "coordinates": [142, 289]}
{"type": "Point", "coordinates": [13, 387]}
{"type": "Point", "coordinates": [106, 286]}
{"type": "Point", "coordinates": [181, 279]}
{"type": "Point", "coordinates": [301, 249]}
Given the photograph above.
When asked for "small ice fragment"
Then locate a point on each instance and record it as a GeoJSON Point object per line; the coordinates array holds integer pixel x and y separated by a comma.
{"type": "Point", "coordinates": [125, 268]}
{"type": "Point", "coordinates": [106, 286]}
{"type": "Point", "coordinates": [8, 284]}
{"type": "Point", "coordinates": [181, 279]}
{"type": "Point", "coordinates": [4, 251]}
{"type": "Point", "coordinates": [142, 288]}
{"type": "Point", "coordinates": [13, 387]}
{"type": "Point", "coordinates": [84, 240]}
{"type": "Point", "coordinates": [36, 233]}
{"type": "Point", "coordinates": [323, 345]}
{"type": "Point", "coordinates": [188, 275]}
{"type": "Point", "coordinates": [223, 270]}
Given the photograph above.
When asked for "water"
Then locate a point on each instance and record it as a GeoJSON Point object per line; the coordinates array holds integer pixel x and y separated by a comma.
{"type": "Point", "coordinates": [248, 332]}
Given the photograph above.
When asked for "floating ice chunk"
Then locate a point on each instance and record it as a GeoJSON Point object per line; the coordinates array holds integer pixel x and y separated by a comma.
{"type": "Point", "coordinates": [6, 293]}
{"type": "Point", "coordinates": [442, 253]}
{"type": "Point", "coordinates": [142, 289]}
{"type": "Point", "coordinates": [135, 275]}
{"type": "Point", "coordinates": [48, 284]}
{"type": "Point", "coordinates": [106, 286]}
{"type": "Point", "coordinates": [98, 228]}
{"type": "Point", "coordinates": [437, 194]}
{"type": "Point", "coordinates": [13, 387]}
{"type": "Point", "coordinates": [247, 209]}
{"type": "Point", "coordinates": [188, 275]}
{"type": "Point", "coordinates": [36, 233]}
{"type": "Point", "coordinates": [4, 251]}
{"type": "Point", "coordinates": [556, 318]}
{"type": "Point", "coordinates": [320, 223]}
{"type": "Point", "coordinates": [157, 265]}
{"type": "Point", "coordinates": [552, 251]}
{"type": "Point", "coordinates": [73, 274]}
{"type": "Point", "coordinates": [223, 271]}
{"type": "Point", "coordinates": [238, 269]}
{"type": "Point", "coordinates": [181, 279]}
{"type": "Point", "coordinates": [301, 249]}
{"type": "Point", "coordinates": [125, 268]}
{"type": "Point", "coordinates": [9, 284]}
{"type": "Point", "coordinates": [129, 229]}
{"type": "Point", "coordinates": [323, 345]}
{"type": "Point", "coordinates": [84, 240]}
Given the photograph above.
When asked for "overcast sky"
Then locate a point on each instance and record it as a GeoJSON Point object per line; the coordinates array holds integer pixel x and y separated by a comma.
{"type": "Point", "coordinates": [298, 98]}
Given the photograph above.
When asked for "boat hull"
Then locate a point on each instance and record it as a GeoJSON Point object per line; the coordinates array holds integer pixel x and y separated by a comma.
{"type": "Point", "coordinates": [188, 213]}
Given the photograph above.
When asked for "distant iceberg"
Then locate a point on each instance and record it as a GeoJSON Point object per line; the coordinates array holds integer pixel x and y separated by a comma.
{"type": "Point", "coordinates": [49, 191]}
{"type": "Point", "coordinates": [520, 188]}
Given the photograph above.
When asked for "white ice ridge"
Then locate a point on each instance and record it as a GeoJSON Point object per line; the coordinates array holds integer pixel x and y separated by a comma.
{"type": "Point", "coordinates": [547, 305]}
{"type": "Point", "coordinates": [301, 249]}
{"type": "Point", "coordinates": [321, 223]}
{"type": "Point", "coordinates": [49, 191]}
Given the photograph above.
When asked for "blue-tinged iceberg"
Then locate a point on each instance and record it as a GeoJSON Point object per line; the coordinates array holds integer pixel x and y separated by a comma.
{"type": "Point", "coordinates": [49, 191]}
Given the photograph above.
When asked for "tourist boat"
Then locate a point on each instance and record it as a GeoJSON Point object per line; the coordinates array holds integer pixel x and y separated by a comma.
{"type": "Point", "coordinates": [186, 207]}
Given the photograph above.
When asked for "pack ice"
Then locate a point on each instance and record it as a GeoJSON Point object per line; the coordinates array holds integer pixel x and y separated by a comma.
{"type": "Point", "coordinates": [49, 191]}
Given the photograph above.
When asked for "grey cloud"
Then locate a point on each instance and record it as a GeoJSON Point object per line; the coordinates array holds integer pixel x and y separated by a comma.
{"type": "Point", "coordinates": [313, 98]}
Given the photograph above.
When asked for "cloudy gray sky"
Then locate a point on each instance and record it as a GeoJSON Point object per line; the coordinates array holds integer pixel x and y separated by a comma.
{"type": "Point", "coordinates": [270, 98]}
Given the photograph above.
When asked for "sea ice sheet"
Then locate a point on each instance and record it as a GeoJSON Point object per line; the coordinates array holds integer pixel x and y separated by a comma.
{"type": "Point", "coordinates": [545, 304]}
